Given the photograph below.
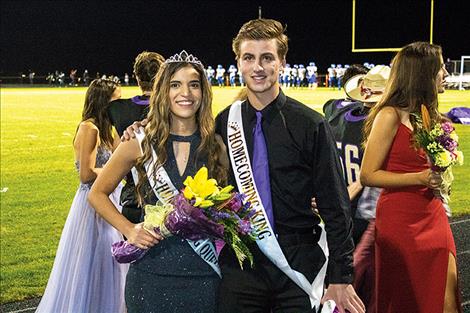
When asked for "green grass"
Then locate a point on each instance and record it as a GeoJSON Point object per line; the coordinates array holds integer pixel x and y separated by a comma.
{"type": "Point", "coordinates": [37, 127]}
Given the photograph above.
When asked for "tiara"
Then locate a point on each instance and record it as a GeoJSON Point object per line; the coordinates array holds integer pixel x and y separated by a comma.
{"type": "Point", "coordinates": [183, 56]}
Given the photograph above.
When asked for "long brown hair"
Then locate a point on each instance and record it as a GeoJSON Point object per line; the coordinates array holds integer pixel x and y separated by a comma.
{"type": "Point", "coordinates": [95, 108]}
{"type": "Point", "coordinates": [412, 82]}
{"type": "Point", "coordinates": [157, 130]}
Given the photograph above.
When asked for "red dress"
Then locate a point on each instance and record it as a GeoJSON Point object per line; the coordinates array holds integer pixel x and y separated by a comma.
{"type": "Point", "coordinates": [413, 238]}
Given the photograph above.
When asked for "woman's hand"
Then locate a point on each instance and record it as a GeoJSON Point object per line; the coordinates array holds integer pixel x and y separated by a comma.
{"type": "Point", "coordinates": [141, 237]}
{"type": "Point", "coordinates": [430, 178]}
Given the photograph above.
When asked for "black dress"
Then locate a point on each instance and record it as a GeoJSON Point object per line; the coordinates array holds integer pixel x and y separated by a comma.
{"type": "Point", "coordinates": [171, 277]}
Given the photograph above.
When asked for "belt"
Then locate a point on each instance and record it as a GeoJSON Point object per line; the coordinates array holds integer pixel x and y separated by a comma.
{"type": "Point", "coordinates": [304, 236]}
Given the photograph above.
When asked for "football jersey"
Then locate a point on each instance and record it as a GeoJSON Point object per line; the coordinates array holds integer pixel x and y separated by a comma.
{"type": "Point", "coordinates": [346, 119]}
{"type": "Point", "coordinates": [220, 72]}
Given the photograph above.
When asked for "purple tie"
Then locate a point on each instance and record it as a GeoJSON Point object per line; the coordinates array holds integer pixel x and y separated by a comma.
{"type": "Point", "coordinates": [261, 168]}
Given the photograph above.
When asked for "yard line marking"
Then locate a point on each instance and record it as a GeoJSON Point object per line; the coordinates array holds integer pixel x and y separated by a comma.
{"type": "Point", "coordinates": [461, 221]}
{"type": "Point", "coordinates": [23, 310]}
{"type": "Point", "coordinates": [316, 106]}
{"type": "Point", "coordinates": [463, 252]}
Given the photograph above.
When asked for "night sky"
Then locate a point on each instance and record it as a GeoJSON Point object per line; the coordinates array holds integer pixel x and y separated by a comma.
{"type": "Point", "coordinates": [106, 36]}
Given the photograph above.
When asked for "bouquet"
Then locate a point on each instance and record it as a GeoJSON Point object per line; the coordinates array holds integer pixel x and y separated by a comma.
{"type": "Point", "coordinates": [201, 210]}
{"type": "Point", "coordinates": [440, 143]}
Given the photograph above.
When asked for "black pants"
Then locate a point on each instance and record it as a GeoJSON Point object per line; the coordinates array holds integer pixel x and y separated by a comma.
{"type": "Point", "coordinates": [264, 288]}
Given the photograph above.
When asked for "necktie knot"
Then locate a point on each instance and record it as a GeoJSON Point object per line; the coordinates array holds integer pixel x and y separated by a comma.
{"type": "Point", "coordinates": [259, 117]}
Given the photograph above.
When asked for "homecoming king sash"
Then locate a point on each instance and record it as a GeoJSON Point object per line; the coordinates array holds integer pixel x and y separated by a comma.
{"type": "Point", "coordinates": [165, 191]}
{"type": "Point", "coordinates": [266, 239]}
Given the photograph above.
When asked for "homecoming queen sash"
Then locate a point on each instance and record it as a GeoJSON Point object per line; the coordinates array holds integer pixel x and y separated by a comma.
{"type": "Point", "coordinates": [165, 191]}
{"type": "Point", "coordinates": [266, 239]}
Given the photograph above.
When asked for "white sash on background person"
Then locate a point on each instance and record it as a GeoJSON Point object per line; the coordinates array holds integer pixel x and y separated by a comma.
{"type": "Point", "coordinates": [165, 191]}
{"type": "Point", "coordinates": [266, 239]}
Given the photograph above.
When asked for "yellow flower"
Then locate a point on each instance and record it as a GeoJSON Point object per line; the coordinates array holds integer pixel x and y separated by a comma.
{"type": "Point", "coordinates": [443, 159]}
{"type": "Point", "coordinates": [199, 187]}
{"type": "Point", "coordinates": [453, 135]}
{"type": "Point", "coordinates": [459, 157]}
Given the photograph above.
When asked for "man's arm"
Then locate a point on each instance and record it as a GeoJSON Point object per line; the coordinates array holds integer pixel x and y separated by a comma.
{"type": "Point", "coordinates": [334, 206]}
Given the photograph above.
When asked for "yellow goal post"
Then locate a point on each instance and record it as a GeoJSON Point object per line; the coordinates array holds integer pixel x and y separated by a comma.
{"type": "Point", "coordinates": [353, 39]}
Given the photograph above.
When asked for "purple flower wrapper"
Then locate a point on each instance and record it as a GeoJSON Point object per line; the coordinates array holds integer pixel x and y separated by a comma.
{"type": "Point", "coordinates": [190, 222]}
{"type": "Point", "coordinates": [125, 252]}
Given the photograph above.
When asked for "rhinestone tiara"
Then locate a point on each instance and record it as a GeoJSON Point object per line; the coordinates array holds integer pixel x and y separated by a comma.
{"type": "Point", "coordinates": [183, 56]}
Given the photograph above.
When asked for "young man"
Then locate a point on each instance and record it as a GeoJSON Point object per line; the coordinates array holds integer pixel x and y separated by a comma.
{"type": "Point", "coordinates": [282, 153]}
{"type": "Point", "coordinates": [123, 112]}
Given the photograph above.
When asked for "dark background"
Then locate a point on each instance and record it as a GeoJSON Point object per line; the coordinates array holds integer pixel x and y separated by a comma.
{"type": "Point", "coordinates": [106, 36]}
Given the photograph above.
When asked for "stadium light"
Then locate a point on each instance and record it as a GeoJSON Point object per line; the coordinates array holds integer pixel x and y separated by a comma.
{"type": "Point", "coordinates": [353, 39]}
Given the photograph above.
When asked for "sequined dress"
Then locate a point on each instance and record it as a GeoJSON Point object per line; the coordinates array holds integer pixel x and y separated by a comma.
{"type": "Point", "coordinates": [85, 278]}
{"type": "Point", "coordinates": [171, 277]}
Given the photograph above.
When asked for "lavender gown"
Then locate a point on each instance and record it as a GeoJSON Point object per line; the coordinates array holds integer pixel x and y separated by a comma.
{"type": "Point", "coordinates": [85, 278]}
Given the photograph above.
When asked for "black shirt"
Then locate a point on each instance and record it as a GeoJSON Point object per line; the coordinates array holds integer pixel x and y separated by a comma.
{"type": "Point", "coordinates": [303, 163]}
{"type": "Point", "coordinates": [124, 112]}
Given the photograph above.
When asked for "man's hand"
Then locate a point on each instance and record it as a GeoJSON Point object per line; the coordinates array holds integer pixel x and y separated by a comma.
{"type": "Point", "coordinates": [130, 131]}
{"type": "Point", "coordinates": [345, 297]}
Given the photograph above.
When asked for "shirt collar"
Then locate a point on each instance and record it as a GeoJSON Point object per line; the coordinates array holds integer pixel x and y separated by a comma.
{"type": "Point", "coordinates": [270, 111]}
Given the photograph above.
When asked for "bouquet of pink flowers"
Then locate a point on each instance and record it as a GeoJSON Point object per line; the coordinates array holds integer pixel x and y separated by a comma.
{"type": "Point", "coordinates": [201, 210]}
{"type": "Point", "coordinates": [440, 142]}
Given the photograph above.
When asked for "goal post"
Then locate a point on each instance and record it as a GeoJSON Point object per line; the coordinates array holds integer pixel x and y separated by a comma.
{"type": "Point", "coordinates": [353, 33]}
{"type": "Point", "coordinates": [462, 60]}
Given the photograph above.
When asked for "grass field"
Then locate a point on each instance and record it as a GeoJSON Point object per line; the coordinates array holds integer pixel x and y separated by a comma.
{"type": "Point", "coordinates": [38, 179]}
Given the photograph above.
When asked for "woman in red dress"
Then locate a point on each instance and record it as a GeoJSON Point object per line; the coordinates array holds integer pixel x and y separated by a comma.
{"type": "Point", "coordinates": [415, 250]}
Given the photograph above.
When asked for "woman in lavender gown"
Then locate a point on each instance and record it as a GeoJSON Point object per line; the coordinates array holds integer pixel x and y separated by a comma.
{"type": "Point", "coordinates": [85, 278]}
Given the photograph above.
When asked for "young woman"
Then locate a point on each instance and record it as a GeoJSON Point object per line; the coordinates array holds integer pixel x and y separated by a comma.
{"type": "Point", "coordinates": [415, 250]}
{"type": "Point", "coordinates": [85, 278]}
{"type": "Point", "coordinates": [171, 277]}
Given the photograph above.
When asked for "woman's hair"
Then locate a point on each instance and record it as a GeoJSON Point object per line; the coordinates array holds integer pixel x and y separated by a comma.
{"type": "Point", "coordinates": [157, 130]}
{"type": "Point", "coordinates": [95, 108]}
{"type": "Point", "coordinates": [412, 82]}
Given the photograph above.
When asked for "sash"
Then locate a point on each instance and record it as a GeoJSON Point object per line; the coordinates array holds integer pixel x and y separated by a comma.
{"type": "Point", "coordinates": [165, 191]}
{"type": "Point", "coordinates": [266, 239]}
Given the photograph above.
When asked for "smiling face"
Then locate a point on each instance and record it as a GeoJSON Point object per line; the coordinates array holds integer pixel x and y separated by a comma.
{"type": "Point", "coordinates": [185, 93]}
{"type": "Point", "coordinates": [260, 64]}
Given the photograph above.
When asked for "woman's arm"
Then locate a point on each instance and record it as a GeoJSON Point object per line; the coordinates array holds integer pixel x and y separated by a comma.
{"type": "Point", "coordinates": [116, 139]}
{"type": "Point", "coordinates": [378, 146]}
{"type": "Point", "coordinates": [87, 140]}
{"type": "Point", "coordinates": [121, 162]}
